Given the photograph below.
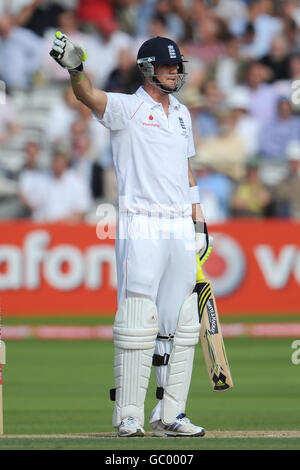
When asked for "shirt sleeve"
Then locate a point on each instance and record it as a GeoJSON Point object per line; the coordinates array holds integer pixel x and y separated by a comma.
{"type": "Point", "coordinates": [118, 112]}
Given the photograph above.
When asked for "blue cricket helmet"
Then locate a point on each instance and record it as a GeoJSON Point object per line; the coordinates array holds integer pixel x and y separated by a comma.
{"type": "Point", "coordinates": [160, 51]}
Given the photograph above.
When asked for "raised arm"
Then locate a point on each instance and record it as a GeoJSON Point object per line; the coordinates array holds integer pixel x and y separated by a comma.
{"type": "Point", "coordinates": [71, 56]}
{"type": "Point", "coordinates": [85, 92]}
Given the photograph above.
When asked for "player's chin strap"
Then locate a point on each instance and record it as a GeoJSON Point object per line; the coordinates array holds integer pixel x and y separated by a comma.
{"type": "Point", "coordinates": [165, 89]}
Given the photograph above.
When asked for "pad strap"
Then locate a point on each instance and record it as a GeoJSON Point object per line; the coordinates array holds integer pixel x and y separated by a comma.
{"type": "Point", "coordinates": [160, 360]}
{"type": "Point", "coordinates": [165, 337]}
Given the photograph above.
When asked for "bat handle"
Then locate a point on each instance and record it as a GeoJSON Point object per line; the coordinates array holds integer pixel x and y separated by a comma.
{"type": "Point", "coordinates": [200, 275]}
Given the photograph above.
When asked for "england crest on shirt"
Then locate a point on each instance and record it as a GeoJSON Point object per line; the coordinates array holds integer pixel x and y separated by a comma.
{"type": "Point", "coordinates": [183, 127]}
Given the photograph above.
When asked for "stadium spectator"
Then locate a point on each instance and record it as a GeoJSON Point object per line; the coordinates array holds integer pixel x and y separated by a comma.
{"type": "Point", "coordinates": [31, 180]}
{"type": "Point", "coordinates": [195, 103]}
{"type": "Point", "coordinates": [263, 97]}
{"type": "Point", "coordinates": [168, 9]}
{"type": "Point", "coordinates": [14, 7]}
{"type": "Point", "coordinates": [175, 12]}
{"type": "Point", "coordinates": [125, 12]}
{"type": "Point", "coordinates": [100, 138]}
{"type": "Point", "coordinates": [251, 198]}
{"type": "Point", "coordinates": [39, 15]}
{"type": "Point", "coordinates": [62, 115]}
{"type": "Point", "coordinates": [197, 74]}
{"type": "Point", "coordinates": [199, 10]}
{"type": "Point", "coordinates": [103, 181]}
{"type": "Point", "coordinates": [276, 135]}
{"type": "Point", "coordinates": [63, 197]}
{"type": "Point", "coordinates": [206, 122]}
{"type": "Point", "coordinates": [292, 34]}
{"type": "Point", "coordinates": [90, 11]}
{"type": "Point", "coordinates": [126, 78]}
{"type": "Point", "coordinates": [84, 160]}
{"type": "Point", "coordinates": [290, 9]}
{"type": "Point", "coordinates": [144, 13]}
{"type": "Point", "coordinates": [290, 86]}
{"type": "Point", "coordinates": [246, 126]}
{"type": "Point", "coordinates": [9, 124]}
{"type": "Point", "coordinates": [265, 27]}
{"type": "Point", "coordinates": [234, 12]}
{"type": "Point", "coordinates": [157, 26]}
{"type": "Point", "coordinates": [294, 67]}
{"type": "Point", "coordinates": [227, 67]}
{"type": "Point", "coordinates": [207, 42]}
{"type": "Point", "coordinates": [287, 193]}
{"type": "Point", "coordinates": [110, 42]}
{"type": "Point", "coordinates": [277, 59]}
{"type": "Point", "coordinates": [225, 153]}
{"type": "Point", "coordinates": [20, 54]}
{"type": "Point", "coordinates": [215, 191]}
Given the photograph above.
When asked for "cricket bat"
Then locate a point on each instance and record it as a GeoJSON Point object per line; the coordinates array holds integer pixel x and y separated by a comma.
{"type": "Point", "coordinates": [211, 334]}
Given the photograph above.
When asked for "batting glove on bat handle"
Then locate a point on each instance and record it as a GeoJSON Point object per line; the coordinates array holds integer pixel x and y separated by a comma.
{"type": "Point", "coordinates": [200, 262]}
{"type": "Point", "coordinates": [67, 54]}
{"type": "Point", "coordinates": [202, 239]}
{"type": "Point", "coordinates": [208, 251]}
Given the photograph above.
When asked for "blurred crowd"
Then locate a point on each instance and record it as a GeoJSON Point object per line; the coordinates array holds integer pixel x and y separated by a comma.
{"type": "Point", "coordinates": [243, 92]}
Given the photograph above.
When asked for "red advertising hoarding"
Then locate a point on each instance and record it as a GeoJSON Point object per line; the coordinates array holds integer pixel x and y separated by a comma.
{"type": "Point", "coordinates": [62, 269]}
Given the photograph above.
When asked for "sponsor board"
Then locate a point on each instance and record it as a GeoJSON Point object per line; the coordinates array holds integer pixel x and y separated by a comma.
{"type": "Point", "coordinates": [67, 270]}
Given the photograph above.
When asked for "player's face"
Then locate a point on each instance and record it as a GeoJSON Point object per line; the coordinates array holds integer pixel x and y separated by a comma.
{"type": "Point", "coordinates": [168, 74]}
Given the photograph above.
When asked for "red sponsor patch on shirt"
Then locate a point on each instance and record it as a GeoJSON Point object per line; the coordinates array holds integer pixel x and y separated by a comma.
{"type": "Point", "coordinates": [150, 124]}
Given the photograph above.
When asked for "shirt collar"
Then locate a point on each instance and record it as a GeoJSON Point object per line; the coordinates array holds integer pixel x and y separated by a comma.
{"type": "Point", "coordinates": [174, 103]}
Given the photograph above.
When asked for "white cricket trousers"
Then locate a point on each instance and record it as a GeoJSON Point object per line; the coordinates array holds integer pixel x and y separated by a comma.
{"type": "Point", "coordinates": [156, 258]}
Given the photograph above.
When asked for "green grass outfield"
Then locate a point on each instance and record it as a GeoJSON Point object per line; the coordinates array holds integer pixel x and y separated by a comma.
{"type": "Point", "coordinates": [109, 319]}
{"type": "Point", "coordinates": [62, 387]}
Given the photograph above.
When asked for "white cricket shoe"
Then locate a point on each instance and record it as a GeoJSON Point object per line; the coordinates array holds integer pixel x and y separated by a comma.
{"type": "Point", "coordinates": [130, 427]}
{"type": "Point", "coordinates": [181, 427]}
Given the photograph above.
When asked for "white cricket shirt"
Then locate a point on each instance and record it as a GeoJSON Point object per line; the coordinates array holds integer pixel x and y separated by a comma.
{"type": "Point", "coordinates": [150, 152]}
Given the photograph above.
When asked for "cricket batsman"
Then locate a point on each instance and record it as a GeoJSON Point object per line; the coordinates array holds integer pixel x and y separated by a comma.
{"type": "Point", "coordinates": [160, 229]}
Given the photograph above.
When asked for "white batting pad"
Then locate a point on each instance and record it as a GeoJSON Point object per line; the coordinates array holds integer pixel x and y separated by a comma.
{"type": "Point", "coordinates": [180, 364]}
{"type": "Point", "coordinates": [135, 330]}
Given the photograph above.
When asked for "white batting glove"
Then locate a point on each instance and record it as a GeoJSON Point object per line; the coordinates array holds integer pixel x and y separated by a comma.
{"type": "Point", "coordinates": [201, 239]}
{"type": "Point", "coordinates": [67, 54]}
